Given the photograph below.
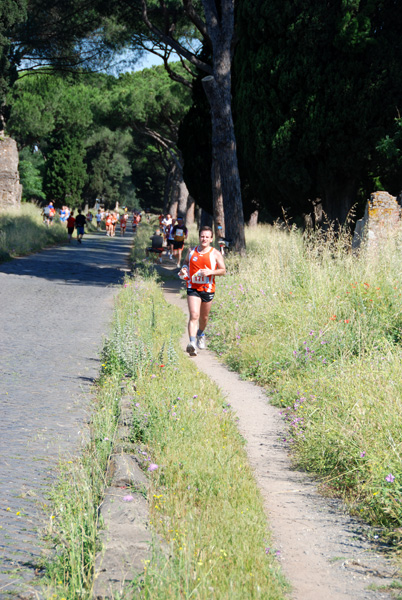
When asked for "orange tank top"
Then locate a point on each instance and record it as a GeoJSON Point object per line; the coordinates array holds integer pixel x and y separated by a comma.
{"type": "Point", "coordinates": [198, 261]}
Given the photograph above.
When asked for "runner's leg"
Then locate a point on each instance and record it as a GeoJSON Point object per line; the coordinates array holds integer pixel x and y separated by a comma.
{"type": "Point", "coordinates": [194, 309]}
{"type": "Point", "coordinates": [204, 315]}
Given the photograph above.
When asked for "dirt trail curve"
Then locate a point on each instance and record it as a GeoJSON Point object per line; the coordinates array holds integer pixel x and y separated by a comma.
{"type": "Point", "coordinates": [324, 553]}
{"type": "Point", "coordinates": [55, 307]}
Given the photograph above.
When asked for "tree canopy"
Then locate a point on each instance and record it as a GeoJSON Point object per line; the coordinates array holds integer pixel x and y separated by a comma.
{"type": "Point", "coordinates": [318, 86]}
{"type": "Point", "coordinates": [99, 136]}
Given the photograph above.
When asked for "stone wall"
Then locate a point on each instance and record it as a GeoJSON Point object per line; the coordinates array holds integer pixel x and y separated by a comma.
{"type": "Point", "coordinates": [10, 187]}
{"type": "Point", "coordinates": [381, 219]}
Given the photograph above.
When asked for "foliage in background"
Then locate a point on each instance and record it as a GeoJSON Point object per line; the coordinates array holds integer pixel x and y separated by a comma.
{"type": "Point", "coordinates": [12, 13]}
{"type": "Point", "coordinates": [317, 90]}
{"type": "Point", "coordinates": [65, 169]}
{"type": "Point", "coordinates": [322, 330]}
{"type": "Point", "coordinates": [31, 167]}
{"type": "Point", "coordinates": [97, 135]}
{"type": "Point", "coordinates": [22, 232]}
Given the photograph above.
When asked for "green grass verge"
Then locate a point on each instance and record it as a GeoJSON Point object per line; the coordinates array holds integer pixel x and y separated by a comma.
{"type": "Point", "coordinates": [322, 329]}
{"type": "Point", "coordinates": [204, 500]}
{"type": "Point", "coordinates": [74, 517]}
{"type": "Point", "coordinates": [203, 497]}
{"type": "Point", "coordinates": [22, 232]}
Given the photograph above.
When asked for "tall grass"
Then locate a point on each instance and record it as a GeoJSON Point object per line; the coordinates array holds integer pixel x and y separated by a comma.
{"type": "Point", "coordinates": [73, 519]}
{"type": "Point", "coordinates": [203, 498]}
{"type": "Point", "coordinates": [321, 328]}
{"type": "Point", "coordinates": [22, 232]}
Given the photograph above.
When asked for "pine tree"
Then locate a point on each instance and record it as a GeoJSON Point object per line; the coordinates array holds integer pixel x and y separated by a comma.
{"type": "Point", "coordinates": [318, 85]}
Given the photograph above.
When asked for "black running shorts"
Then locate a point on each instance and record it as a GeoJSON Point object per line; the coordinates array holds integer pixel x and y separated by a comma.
{"type": "Point", "coordinates": [205, 296]}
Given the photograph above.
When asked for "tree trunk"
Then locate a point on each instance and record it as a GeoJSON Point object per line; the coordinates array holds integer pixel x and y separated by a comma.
{"type": "Point", "coordinates": [253, 221]}
{"type": "Point", "coordinates": [168, 189]}
{"type": "Point", "coordinates": [190, 211]}
{"type": "Point", "coordinates": [205, 219]}
{"type": "Point", "coordinates": [224, 144]}
{"type": "Point", "coordinates": [174, 195]}
{"type": "Point", "coordinates": [219, 214]}
{"type": "Point", "coordinates": [338, 198]}
{"type": "Point", "coordinates": [183, 196]}
{"type": "Point", "coordinates": [220, 26]}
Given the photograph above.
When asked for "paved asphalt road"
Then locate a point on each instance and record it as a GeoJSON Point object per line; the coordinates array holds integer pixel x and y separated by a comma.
{"type": "Point", "coordinates": [55, 308]}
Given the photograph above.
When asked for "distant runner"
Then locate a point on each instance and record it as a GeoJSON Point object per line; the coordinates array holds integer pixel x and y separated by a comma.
{"type": "Point", "coordinates": [123, 223]}
{"type": "Point", "coordinates": [179, 233]}
{"type": "Point", "coordinates": [99, 218]}
{"type": "Point", "coordinates": [109, 224]}
{"type": "Point", "coordinates": [80, 221]}
{"type": "Point", "coordinates": [70, 226]}
{"type": "Point", "coordinates": [202, 264]}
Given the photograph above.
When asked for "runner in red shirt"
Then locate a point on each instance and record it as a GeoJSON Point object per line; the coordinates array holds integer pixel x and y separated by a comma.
{"type": "Point", "coordinates": [123, 223]}
{"type": "Point", "coordinates": [70, 226]}
{"type": "Point", "coordinates": [203, 263]}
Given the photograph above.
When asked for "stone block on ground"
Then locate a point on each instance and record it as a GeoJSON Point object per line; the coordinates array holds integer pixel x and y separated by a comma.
{"type": "Point", "coordinates": [127, 543]}
{"type": "Point", "coordinates": [125, 471]}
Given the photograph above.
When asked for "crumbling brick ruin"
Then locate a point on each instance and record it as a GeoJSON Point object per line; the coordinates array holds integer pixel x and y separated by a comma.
{"type": "Point", "coordinates": [381, 219]}
{"type": "Point", "coordinates": [10, 187]}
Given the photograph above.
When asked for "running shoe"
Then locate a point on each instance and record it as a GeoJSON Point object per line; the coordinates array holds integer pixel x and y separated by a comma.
{"type": "Point", "coordinates": [191, 349]}
{"type": "Point", "coordinates": [201, 342]}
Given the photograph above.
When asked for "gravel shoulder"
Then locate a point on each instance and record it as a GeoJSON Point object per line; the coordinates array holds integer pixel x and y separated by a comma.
{"type": "Point", "coordinates": [55, 309]}
{"type": "Point", "coordinates": [325, 553]}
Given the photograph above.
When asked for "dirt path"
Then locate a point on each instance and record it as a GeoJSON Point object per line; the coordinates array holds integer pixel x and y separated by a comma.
{"type": "Point", "coordinates": [55, 308]}
{"type": "Point", "coordinates": [324, 553]}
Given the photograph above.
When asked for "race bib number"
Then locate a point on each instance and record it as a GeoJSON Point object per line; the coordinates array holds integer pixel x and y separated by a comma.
{"type": "Point", "coordinates": [199, 278]}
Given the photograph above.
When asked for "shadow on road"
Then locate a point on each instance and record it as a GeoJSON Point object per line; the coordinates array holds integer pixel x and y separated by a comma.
{"type": "Point", "coordinates": [98, 261]}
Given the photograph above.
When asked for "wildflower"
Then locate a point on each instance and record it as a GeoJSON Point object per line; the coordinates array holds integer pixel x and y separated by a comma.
{"type": "Point", "coordinates": [346, 321]}
{"type": "Point", "coordinates": [161, 366]}
{"type": "Point", "coordinates": [390, 478]}
{"type": "Point", "coordinates": [362, 454]}
{"type": "Point", "coordinates": [153, 376]}
{"type": "Point", "coordinates": [152, 467]}
{"type": "Point", "coordinates": [137, 405]}
{"type": "Point", "coordinates": [128, 498]}
{"type": "Point", "coordinates": [333, 318]}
